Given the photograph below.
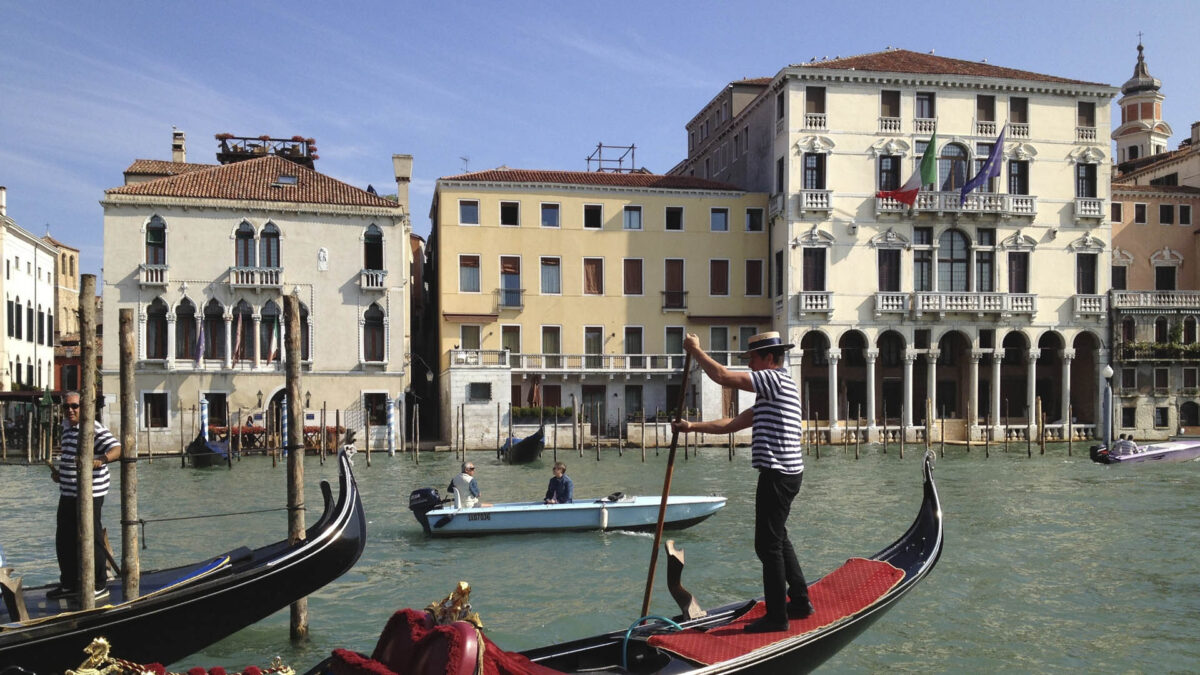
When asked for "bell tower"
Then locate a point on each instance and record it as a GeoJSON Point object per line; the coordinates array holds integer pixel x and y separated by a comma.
{"type": "Point", "coordinates": [1142, 133]}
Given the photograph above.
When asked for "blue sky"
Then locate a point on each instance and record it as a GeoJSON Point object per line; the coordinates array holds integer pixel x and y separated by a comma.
{"type": "Point", "coordinates": [87, 87]}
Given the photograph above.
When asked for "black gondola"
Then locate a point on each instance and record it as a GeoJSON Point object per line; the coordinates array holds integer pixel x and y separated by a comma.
{"type": "Point", "coordinates": [204, 453]}
{"type": "Point", "coordinates": [892, 573]}
{"type": "Point", "coordinates": [185, 609]}
{"type": "Point", "coordinates": [524, 450]}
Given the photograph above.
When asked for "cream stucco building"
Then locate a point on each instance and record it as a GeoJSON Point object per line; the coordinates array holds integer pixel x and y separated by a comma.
{"type": "Point", "coordinates": [203, 254]}
{"type": "Point", "coordinates": [574, 288]}
{"type": "Point", "coordinates": [982, 306]}
{"type": "Point", "coordinates": [27, 344]}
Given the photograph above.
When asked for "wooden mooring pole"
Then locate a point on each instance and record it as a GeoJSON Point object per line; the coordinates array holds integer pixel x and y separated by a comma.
{"type": "Point", "coordinates": [86, 536]}
{"type": "Point", "coordinates": [131, 566]}
{"type": "Point", "coordinates": [1070, 430]}
{"type": "Point", "coordinates": [295, 446]}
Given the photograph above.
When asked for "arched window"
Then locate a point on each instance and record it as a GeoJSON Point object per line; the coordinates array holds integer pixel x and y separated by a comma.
{"type": "Point", "coordinates": [952, 167]}
{"type": "Point", "coordinates": [243, 332]}
{"type": "Point", "coordinates": [245, 245]}
{"type": "Point", "coordinates": [1128, 329]}
{"type": "Point", "coordinates": [305, 354]}
{"type": "Point", "coordinates": [270, 335]}
{"type": "Point", "coordinates": [214, 330]}
{"type": "Point", "coordinates": [953, 265]}
{"type": "Point", "coordinates": [185, 330]}
{"type": "Point", "coordinates": [269, 239]}
{"type": "Point", "coordinates": [1189, 330]}
{"type": "Point", "coordinates": [373, 333]}
{"type": "Point", "coordinates": [156, 242]}
{"type": "Point", "coordinates": [156, 330]}
{"type": "Point", "coordinates": [72, 261]}
{"type": "Point", "coordinates": [1161, 331]}
{"type": "Point", "coordinates": [373, 248]}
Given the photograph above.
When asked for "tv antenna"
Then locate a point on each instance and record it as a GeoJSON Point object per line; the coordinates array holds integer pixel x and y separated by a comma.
{"type": "Point", "coordinates": [466, 164]}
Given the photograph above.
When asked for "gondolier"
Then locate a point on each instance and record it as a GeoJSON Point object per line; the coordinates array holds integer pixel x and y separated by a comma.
{"type": "Point", "coordinates": [106, 449]}
{"type": "Point", "coordinates": [776, 453]}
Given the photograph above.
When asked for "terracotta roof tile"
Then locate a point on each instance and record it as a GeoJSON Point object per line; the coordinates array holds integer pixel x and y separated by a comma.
{"type": "Point", "coordinates": [1165, 189]}
{"type": "Point", "coordinates": [757, 81]}
{"type": "Point", "coordinates": [598, 178]}
{"type": "Point", "coordinates": [158, 167]}
{"type": "Point", "coordinates": [254, 180]}
{"type": "Point", "coordinates": [904, 61]}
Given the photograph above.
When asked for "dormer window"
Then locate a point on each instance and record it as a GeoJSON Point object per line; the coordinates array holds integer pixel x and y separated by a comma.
{"type": "Point", "coordinates": [285, 181]}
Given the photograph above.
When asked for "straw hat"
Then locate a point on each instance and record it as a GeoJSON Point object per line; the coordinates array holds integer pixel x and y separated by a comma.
{"type": "Point", "coordinates": [768, 340]}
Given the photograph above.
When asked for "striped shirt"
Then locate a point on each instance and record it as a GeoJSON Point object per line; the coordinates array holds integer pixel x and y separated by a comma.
{"type": "Point", "coordinates": [68, 474]}
{"type": "Point", "coordinates": [777, 419]}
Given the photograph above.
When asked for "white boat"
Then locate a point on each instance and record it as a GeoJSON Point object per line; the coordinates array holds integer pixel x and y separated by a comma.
{"type": "Point", "coordinates": [615, 512]}
{"type": "Point", "coordinates": [1127, 452]}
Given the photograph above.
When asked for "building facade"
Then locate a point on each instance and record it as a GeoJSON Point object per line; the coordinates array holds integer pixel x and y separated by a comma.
{"type": "Point", "coordinates": [66, 288]}
{"type": "Point", "coordinates": [27, 354]}
{"type": "Point", "coordinates": [976, 310]}
{"type": "Point", "coordinates": [1155, 297]}
{"type": "Point", "coordinates": [204, 254]}
{"type": "Point", "coordinates": [576, 289]}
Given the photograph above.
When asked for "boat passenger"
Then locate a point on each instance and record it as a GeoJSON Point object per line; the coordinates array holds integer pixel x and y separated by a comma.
{"type": "Point", "coordinates": [560, 490]}
{"type": "Point", "coordinates": [467, 487]}
{"type": "Point", "coordinates": [1125, 445]}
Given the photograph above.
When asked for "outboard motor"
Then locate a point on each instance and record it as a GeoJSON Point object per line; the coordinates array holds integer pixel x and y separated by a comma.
{"type": "Point", "coordinates": [421, 502]}
{"type": "Point", "coordinates": [1099, 454]}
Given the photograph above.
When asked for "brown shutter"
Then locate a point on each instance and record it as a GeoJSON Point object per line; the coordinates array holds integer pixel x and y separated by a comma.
{"type": "Point", "coordinates": [633, 277]}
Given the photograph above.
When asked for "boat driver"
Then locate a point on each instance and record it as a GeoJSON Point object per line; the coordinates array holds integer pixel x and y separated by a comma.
{"type": "Point", "coordinates": [467, 487]}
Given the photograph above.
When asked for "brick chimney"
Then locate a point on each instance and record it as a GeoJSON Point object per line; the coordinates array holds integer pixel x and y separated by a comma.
{"type": "Point", "coordinates": [402, 165]}
{"type": "Point", "coordinates": [3, 201]}
{"type": "Point", "coordinates": [178, 146]}
{"type": "Point", "coordinates": [1195, 133]}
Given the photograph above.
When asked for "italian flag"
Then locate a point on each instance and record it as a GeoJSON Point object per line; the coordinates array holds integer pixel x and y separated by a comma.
{"type": "Point", "coordinates": [925, 174]}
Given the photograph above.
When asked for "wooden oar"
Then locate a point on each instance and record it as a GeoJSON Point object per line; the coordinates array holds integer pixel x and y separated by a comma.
{"type": "Point", "coordinates": [662, 506]}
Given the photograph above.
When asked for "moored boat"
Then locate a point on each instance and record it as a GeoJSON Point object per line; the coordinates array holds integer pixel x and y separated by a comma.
{"type": "Point", "coordinates": [847, 600]}
{"type": "Point", "coordinates": [524, 450]}
{"type": "Point", "coordinates": [204, 453]}
{"type": "Point", "coordinates": [615, 512]}
{"type": "Point", "coordinates": [184, 609]}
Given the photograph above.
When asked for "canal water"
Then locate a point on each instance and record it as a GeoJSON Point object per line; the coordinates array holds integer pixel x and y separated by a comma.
{"type": "Point", "coordinates": [1051, 564]}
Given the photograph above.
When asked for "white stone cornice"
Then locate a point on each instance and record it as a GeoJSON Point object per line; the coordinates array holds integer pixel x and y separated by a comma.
{"type": "Point", "coordinates": [1018, 242]}
{"type": "Point", "coordinates": [1086, 244]}
{"type": "Point", "coordinates": [245, 206]}
{"type": "Point", "coordinates": [1166, 257]}
{"type": "Point", "coordinates": [485, 186]}
{"type": "Point", "coordinates": [890, 239]}
{"type": "Point", "coordinates": [1091, 154]}
{"type": "Point", "coordinates": [1023, 152]}
{"type": "Point", "coordinates": [815, 144]}
{"type": "Point", "coordinates": [814, 237]}
{"type": "Point", "coordinates": [1121, 257]}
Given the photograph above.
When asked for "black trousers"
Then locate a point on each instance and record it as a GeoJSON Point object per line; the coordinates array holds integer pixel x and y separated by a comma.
{"type": "Point", "coordinates": [782, 576]}
{"type": "Point", "coordinates": [67, 536]}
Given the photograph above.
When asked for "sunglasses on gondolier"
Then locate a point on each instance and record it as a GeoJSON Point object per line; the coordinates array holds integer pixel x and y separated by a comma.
{"type": "Point", "coordinates": [72, 406]}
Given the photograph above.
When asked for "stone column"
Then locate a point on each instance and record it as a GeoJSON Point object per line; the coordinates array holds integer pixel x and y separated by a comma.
{"type": "Point", "coordinates": [833, 356]}
{"type": "Point", "coordinates": [909, 357]}
{"type": "Point", "coordinates": [255, 356]}
{"type": "Point", "coordinates": [872, 355]}
{"type": "Point", "coordinates": [997, 359]}
{"type": "Point", "coordinates": [931, 358]}
{"type": "Point", "coordinates": [170, 340]}
{"type": "Point", "coordinates": [1031, 389]}
{"type": "Point", "coordinates": [1102, 357]}
{"type": "Point", "coordinates": [1068, 355]}
{"type": "Point", "coordinates": [973, 395]}
{"type": "Point", "coordinates": [228, 343]}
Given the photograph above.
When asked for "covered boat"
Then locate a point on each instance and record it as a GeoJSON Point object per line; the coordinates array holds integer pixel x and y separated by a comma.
{"type": "Point", "coordinates": [524, 450]}
{"type": "Point", "coordinates": [184, 609]}
{"type": "Point", "coordinates": [203, 453]}
{"type": "Point", "coordinates": [614, 512]}
{"type": "Point", "coordinates": [847, 601]}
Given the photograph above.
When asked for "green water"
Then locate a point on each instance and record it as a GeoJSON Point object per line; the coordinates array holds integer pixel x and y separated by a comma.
{"type": "Point", "coordinates": [1052, 563]}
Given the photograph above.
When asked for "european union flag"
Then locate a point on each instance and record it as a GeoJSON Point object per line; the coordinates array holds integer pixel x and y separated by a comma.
{"type": "Point", "coordinates": [990, 168]}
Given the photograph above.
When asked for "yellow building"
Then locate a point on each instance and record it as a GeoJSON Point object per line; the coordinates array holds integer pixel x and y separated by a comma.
{"type": "Point", "coordinates": [577, 288]}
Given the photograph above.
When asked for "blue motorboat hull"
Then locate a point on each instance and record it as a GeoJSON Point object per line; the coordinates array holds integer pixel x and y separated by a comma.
{"type": "Point", "coordinates": [628, 513]}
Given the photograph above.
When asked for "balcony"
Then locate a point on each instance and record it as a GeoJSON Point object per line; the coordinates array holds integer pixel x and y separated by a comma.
{"type": "Point", "coordinates": [153, 275]}
{"type": "Point", "coordinates": [1018, 130]}
{"type": "Point", "coordinates": [1002, 305]}
{"type": "Point", "coordinates": [814, 302]}
{"type": "Point", "coordinates": [510, 298]}
{"type": "Point", "coordinates": [674, 301]}
{"type": "Point", "coordinates": [980, 203]}
{"type": "Point", "coordinates": [891, 303]}
{"type": "Point", "coordinates": [777, 205]}
{"type": "Point", "coordinates": [924, 125]}
{"type": "Point", "coordinates": [255, 277]}
{"type": "Point", "coordinates": [1090, 208]}
{"type": "Point", "coordinates": [1090, 306]}
{"type": "Point", "coordinates": [815, 200]}
{"type": "Point", "coordinates": [814, 120]}
{"type": "Point", "coordinates": [1085, 134]}
{"type": "Point", "coordinates": [1158, 351]}
{"type": "Point", "coordinates": [372, 280]}
{"type": "Point", "coordinates": [1156, 299]}
{"type": "Point", "coordinates": [629, 365]}
{"type": "Point", "coordinates": [985, 128]}
{"type": "Point", "coordinates": [889, 125]}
